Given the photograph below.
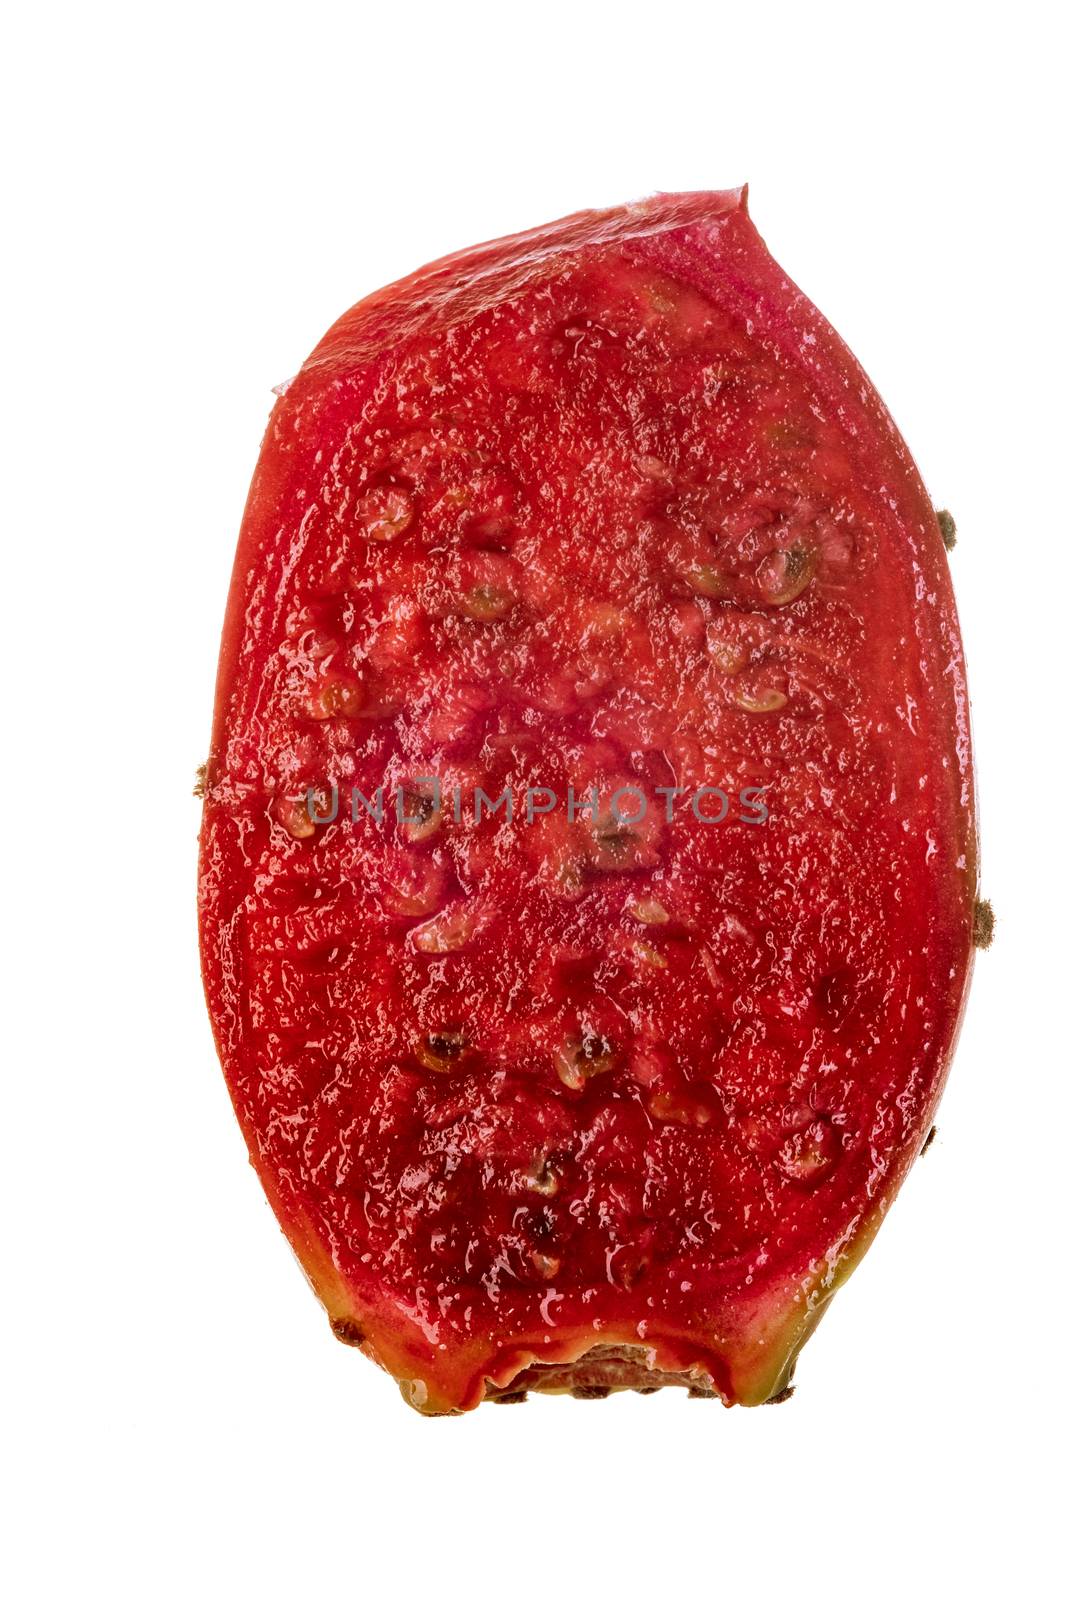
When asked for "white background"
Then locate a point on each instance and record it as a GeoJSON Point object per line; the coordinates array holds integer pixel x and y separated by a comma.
{"type": "Point", "coordinates": [195, 192]}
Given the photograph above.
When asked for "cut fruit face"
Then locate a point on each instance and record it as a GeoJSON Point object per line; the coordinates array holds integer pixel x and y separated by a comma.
{"type": "Point", "coordinates": [588, 866]}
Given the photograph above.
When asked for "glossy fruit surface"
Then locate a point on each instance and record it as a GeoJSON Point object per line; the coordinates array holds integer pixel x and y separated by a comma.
{"type": "Point", "coordinates": [587, 1097]}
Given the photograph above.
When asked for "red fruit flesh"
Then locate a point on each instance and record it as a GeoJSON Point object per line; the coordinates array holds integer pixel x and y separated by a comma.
{"type": "Point", "coordinates": [552, 1103]}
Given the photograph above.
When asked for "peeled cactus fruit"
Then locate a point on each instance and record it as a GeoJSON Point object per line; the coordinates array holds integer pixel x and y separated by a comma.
{"type": "Point", "coordinates": [555, 1077]}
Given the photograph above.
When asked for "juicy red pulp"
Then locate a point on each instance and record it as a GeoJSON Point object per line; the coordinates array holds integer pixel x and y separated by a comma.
{"type": "Point", "coordinates": [515, 1084]}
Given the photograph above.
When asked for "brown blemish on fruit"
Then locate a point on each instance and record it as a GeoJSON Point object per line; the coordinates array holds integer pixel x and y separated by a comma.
{"type": "Point", "coordinates": [486, 603]}
{"type": "Point", "coordinates": [985, 923]}
{"type": "Point", "coordinates": [947, 523]}
{"type": "Point", "coordinates": [564, 880]}
{"type": "Point", "coordinates": [708, 580]}
{"type": "Point", "coordinates": [200, 786]}
{"type": "Point", "coordinates": [619, 842]}
{"type": "Point", "coordinates": [590, 1391]}
{"type": "Point", "coordinates": [543, 1177]}
{"type": "Point", "coordinates": [685, 1110]}
{"type": "Point", "coordinates": [928, 1141]}
{"type": "Point", "coordinates": [339, 698]}
{"type": "Point", "coordinates": [648, 910]}
{"type": "Point", "coordinates": [348, 1331]}
{"type": "Point", "coordinates": [442, 1050]}
{"type": "Point", "coordinates": [616, 848]}
{"type": "Point", "coordinates": [385, 513]}
{"type": "Point", "coordinates": [515, 1398]}
{"type": "Point", "coordinates": [761, 701]}
{"type": "Point", "coordinates": [419, 814]}
{"type": "Point", "coordinates": [782, 1396]}
{"type": "Point", "coordinates": [449, 930]}
{"type": "Point", "coordinates": [810, 1153]}
{"type": "Point", "coordinates": [546, 1266]}
{"type": "Point", "coordinates": [728, 657]}
{"type": "Point", "coordinates": [583, 1058]}
{"type": "Point", "coordinates": [295, 818]}
{"type": "Point", "coordinates": [646, 954]}
{"type": "Point", "coordinates": [785, 574]}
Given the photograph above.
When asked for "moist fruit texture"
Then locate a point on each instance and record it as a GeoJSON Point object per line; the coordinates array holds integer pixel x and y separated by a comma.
{"type": "Point", "coordinates": [595, 1100]}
